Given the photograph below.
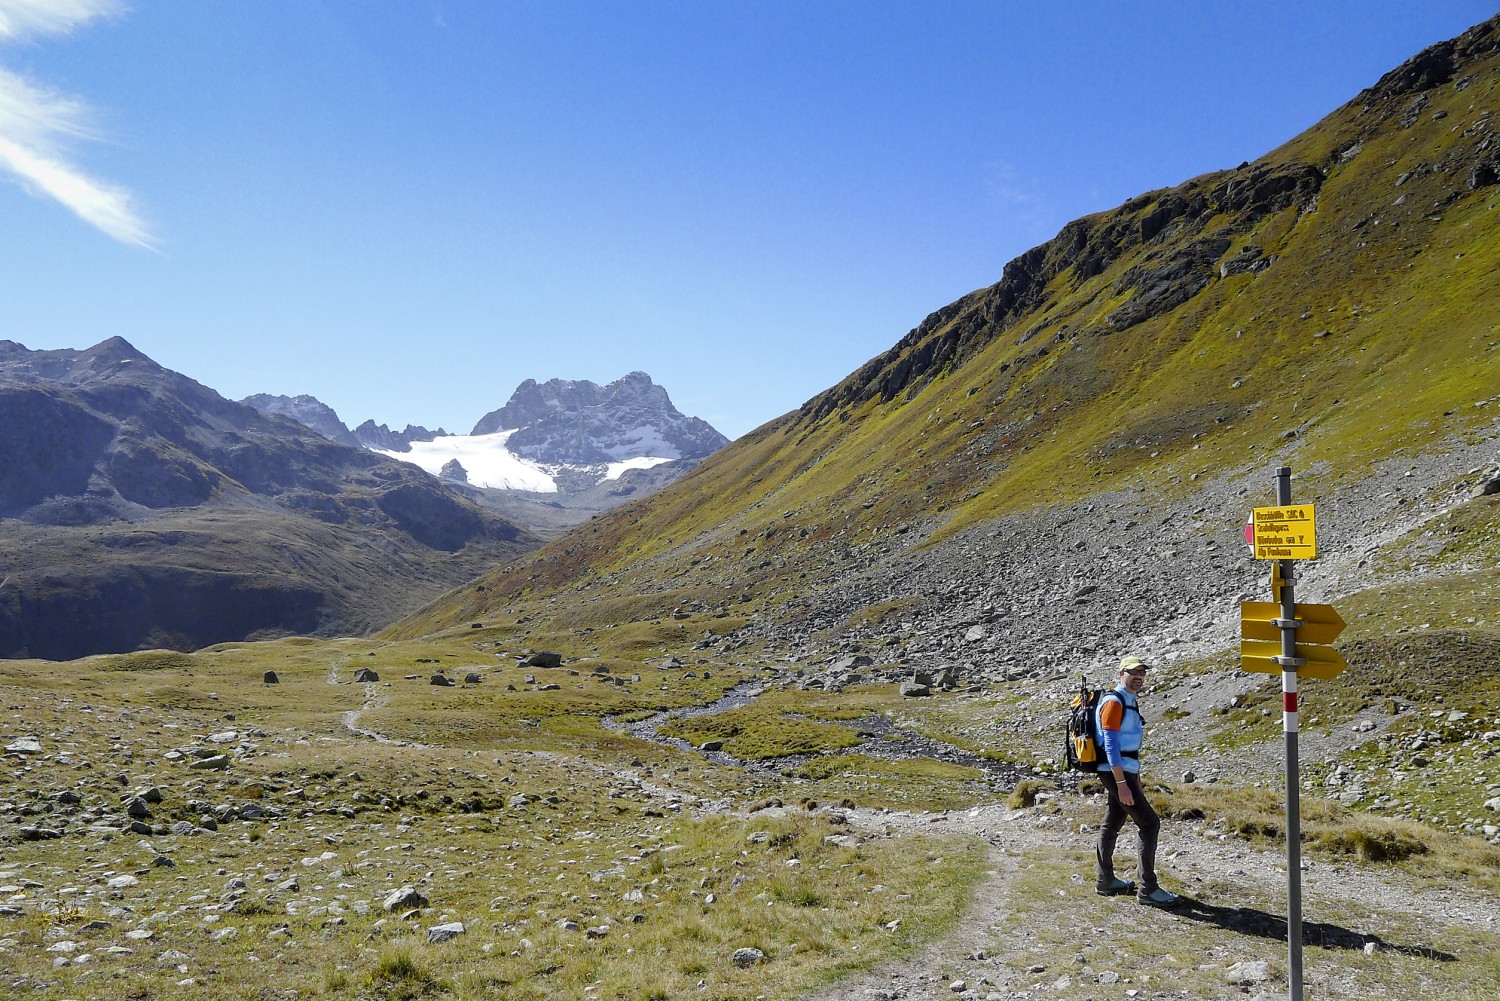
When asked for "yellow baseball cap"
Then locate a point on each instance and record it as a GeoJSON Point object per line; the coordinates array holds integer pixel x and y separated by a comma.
{"type": "Point", "coordinates": [1132, 664]}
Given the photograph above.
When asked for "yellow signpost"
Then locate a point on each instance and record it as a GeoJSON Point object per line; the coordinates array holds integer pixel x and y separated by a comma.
{"type": "Point", "coordinates": [1285, 638]}
{"type": "Point", "coordinates": [1288, 532]}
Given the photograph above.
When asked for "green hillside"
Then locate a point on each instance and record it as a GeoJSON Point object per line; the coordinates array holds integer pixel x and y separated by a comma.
{"type": "Point", "coordinates": [1329, 305]}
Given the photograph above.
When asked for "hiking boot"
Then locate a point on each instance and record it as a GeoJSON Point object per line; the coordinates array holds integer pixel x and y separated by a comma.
{"type": "Point", "coordinates": [1158, 898]}
{"type": "Point", "coordinates": [1115, 888]}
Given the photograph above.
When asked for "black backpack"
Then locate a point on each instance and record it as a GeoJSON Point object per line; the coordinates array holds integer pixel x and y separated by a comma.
{"type": "Point", "coordinates": [1083, 748]}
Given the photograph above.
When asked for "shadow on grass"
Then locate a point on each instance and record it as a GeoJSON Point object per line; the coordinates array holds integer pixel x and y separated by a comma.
{"type": "Point", "coordinates": [1249, 921]}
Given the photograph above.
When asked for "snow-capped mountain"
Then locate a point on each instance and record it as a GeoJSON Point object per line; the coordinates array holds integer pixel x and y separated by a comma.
{"type": "Point", "coordinates": [561, 437]}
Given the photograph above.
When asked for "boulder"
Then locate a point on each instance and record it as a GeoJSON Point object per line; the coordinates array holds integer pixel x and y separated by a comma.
{"type": "Point", "coordinates": [270, 678]}
{"type": "Point", "coordinates": [544, 659]}
{"type": "Point", "coordinates": [445, 932]}
{"type": "Point", "coordinates": [365, 676]}
{"type": "Point", "coordinates": [404, 898]}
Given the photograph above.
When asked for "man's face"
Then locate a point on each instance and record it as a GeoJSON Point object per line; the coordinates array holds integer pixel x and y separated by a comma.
{"type": "Point", "coordinates": [1134, 680]}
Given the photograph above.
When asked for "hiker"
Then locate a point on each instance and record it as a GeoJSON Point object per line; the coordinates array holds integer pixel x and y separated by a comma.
{"type": "Point", "coordinates": [1119, 723]}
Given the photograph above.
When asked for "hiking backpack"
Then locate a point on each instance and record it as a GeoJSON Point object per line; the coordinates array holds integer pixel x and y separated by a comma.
{"type": "Point", "coordinates": [1083, 748]}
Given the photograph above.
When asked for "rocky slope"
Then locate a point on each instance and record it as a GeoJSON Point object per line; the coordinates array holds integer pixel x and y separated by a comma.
{"type": "Point", "coordinates": [144, 509]}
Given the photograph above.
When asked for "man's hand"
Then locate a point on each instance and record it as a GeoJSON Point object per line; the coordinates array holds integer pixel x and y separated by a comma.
{"type": "Point", "coordinates": [1127, 798]}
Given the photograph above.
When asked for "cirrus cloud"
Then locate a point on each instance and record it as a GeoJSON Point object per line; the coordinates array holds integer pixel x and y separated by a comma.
{"type": "Point", "coordinates": [36, 123]}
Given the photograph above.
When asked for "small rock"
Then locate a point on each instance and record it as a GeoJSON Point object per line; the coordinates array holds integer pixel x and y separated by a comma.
{"type": "Point", "coordinates": [1248, 973]}
{"type": "Point", "coordinates": [270, 678]}
{"type": "Point", "coordinates": [24, 745]}
{"type": "Point", "coordinates": [748, 957]}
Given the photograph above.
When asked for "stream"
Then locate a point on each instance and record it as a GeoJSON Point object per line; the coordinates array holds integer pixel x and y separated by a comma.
{"type": "Point", "coordinates": [881, 739]}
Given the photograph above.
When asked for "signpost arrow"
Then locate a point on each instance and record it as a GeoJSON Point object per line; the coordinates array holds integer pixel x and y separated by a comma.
{"type": "Point", "coordinates": [1321, 662]}
{"type": "Point", "coordinates": [1261, 620]}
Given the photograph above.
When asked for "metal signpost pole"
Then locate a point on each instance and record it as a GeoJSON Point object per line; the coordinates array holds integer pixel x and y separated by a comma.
{"type": "Point", "coordinates": [1288, 662]}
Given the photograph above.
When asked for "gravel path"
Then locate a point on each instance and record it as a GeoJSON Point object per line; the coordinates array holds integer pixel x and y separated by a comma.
{"type": "Point", "coordinates": [1225, 883]}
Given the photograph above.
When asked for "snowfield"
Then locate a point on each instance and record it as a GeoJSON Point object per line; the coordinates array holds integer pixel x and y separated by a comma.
{"type": "Point", "coordinates": [490, 463]}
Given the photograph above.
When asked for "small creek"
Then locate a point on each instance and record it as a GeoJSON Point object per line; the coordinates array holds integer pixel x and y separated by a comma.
{"type": "Point", "coordinates": [882, 738]}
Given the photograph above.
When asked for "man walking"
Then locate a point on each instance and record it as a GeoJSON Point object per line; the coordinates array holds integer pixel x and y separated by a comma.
{"type": "Point", "coordinates": [1118, 721]}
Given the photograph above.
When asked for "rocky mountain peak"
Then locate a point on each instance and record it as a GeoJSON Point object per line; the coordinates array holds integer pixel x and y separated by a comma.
{"type": "Point", "coordinates": [381, 438]}
{"type": "Point", "coordinates": [67, 365]}
{"type": "Point", "coordinates": [306, 410]}
{"type": "Point", "coordinates": [581, 422]}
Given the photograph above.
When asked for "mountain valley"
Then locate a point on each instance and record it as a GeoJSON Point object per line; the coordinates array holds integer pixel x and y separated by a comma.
{"type": "Point", "coordinates": [790, 726]}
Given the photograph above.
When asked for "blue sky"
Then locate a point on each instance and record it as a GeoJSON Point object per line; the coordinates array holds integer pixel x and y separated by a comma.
{"type": "Point", "coordinates": [407, 208]}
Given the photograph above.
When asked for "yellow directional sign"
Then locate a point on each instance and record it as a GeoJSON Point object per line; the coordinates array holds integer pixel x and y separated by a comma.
{"type": "Point", "coordinates": [1320, 623]}
{"type": "Point", "coordinates": [1288, 532]}
{"type": "Point", "coordinates": [1322, 662]}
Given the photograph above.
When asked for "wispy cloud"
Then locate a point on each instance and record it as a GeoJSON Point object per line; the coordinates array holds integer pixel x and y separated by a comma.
{"type": "Point", "coordinates": [1015, 195]}
{"type": "Point", "coordinates": [36, 123]}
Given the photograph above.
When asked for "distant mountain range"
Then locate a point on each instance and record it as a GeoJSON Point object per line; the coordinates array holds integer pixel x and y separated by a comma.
{"type": "Point", "coordinates": [144, 509]}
